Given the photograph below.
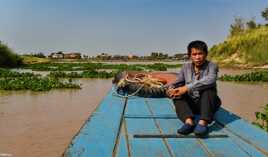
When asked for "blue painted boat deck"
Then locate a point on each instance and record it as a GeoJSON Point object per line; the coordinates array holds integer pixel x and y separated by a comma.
{"type": "Point", "coordinates": [110, 130]}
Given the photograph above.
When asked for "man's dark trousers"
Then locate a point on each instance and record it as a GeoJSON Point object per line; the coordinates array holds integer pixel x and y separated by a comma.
{"type": "Point", "coordinates": [206, 106]}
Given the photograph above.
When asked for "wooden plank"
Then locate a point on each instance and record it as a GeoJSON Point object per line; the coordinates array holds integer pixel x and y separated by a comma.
{"type": "Point", "coordinates": [163, 135]}
{"type": "Point", "coordinates": [251, 151]}
{"type": "Point", "coordinates": [213, 146]}
{"type": "Point", "coordinates": [123, 145]}
{"type": "Point", "coordinates": [160, 116]}
{"type": "Point", "coordinates": [98, 135]}
{"type": "Point", "coordinates": [244, 130]}
{"type": "Point", "coordinates": [143, 147]}
{"type": "Point", "coordinates": [222, 147]}
{"type": "Point", "coordinates": [183, 147]}
{"type": "Point", "coordinates": [122, 149]}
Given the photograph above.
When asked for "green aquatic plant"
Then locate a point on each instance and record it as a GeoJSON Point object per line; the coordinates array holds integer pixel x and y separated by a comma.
{"type": "Point", "coordinates": [8, 73]}
{"type": "Point", "coordinates": [97, 74]}
{"type": "Point", "coordinates": [60, 74]}
{"type": "Point", "coordinates": [96, 66]}
{"type": "Point", "coordinates": [84, 74]}
{"type": "Point", "coordinates": [35, 83]}
{"type": "Point", "coordinates": [11, 80]}
{"type": "Point", "coordinates": [258, 76]}
{"type": "Point", "coordinates": [262, 118]}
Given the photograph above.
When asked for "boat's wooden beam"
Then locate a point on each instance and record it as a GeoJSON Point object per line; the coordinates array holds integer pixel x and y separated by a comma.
{"type": "Point", "coordinates": [177, 136]}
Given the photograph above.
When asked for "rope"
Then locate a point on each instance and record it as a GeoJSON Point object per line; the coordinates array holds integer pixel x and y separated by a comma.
{"type": "Point", "coordinates": [145, 79]}
{"type": "Point", "coordinates": [129, 95]}
{"type": "Point", "coordinates": [142, 79]}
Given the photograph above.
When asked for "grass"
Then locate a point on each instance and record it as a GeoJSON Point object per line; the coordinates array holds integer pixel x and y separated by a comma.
{"type": "Point", "coordinates": [34, 60]}
{"type": "Point", "coordinates": [248, 48]}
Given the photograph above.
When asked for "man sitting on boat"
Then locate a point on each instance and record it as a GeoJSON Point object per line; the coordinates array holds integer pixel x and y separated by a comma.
{"type": "Point", "coordinates": [195, 91]}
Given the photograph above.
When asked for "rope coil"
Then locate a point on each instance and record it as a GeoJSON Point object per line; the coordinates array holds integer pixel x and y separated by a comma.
{"type": "Point", "coordinates": [141, 80]}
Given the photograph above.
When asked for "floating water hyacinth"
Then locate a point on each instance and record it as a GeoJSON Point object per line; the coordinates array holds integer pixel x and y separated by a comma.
{"type": "Point", "coordinates": [259, 76]}
{"type": "Point", "coordinates": [262, 118]}
{"type": "Point", "coordinates": [35, 84]}
{"type": "Point", "coordinates": [8, 73]}
{"type": "Point", "coordinates": [10, 80]}
{"type": "Point", "coordinates": [95, 66]}
{"type": "Point", "coordinates": [84, 74]}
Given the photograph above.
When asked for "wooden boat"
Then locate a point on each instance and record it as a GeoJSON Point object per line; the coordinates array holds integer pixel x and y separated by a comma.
{"type": "Point", "coordinates": [146, 127]}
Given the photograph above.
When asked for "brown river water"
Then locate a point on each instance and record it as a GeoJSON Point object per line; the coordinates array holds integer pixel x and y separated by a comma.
{"type": "Point", "coordinates": [41, 124]}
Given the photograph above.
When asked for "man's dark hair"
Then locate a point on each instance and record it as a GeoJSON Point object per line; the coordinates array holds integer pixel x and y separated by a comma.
{"type": "Point", "coordinates": [197, 44]}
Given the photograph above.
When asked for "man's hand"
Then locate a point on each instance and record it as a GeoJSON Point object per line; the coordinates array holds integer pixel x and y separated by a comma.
{"type": "Point", "coordinates": [172, 93]}
{"type": "Point", "coordinates": [183, 90]}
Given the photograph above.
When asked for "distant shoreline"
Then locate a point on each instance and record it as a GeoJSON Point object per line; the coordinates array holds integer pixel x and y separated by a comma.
{"type": "Point", "coordinates": [137, 61]}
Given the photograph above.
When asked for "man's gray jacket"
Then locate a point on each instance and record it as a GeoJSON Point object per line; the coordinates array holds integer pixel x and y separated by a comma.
{"type": "Point", "coordinates": [207, 79]}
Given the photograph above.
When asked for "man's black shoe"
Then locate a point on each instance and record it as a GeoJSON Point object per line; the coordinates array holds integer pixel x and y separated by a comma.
{"type": "Point", "coordinates": [186, 129]}
{"type": "Point", "coordinates": [200, 130]}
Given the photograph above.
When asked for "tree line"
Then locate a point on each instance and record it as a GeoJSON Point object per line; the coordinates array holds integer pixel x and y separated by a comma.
{"type": "Point", "coordinates": [7, 57]}
{"type": "Point", "coordinates": [241, 25]}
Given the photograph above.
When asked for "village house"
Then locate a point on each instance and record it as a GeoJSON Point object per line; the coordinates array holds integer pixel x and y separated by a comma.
{"type": "Point", "coordinates": [181, 56]}
{"type": "Point", "coordinates": [61, 55]}
{"type": "Point", "coordinates": [131, 56]}
{"type": "Point", "coordinates": [57, 55]}
{"type": "Point", "coordinates": [104, 56]}
{"type": "Point", "coordinates": [72, 55]}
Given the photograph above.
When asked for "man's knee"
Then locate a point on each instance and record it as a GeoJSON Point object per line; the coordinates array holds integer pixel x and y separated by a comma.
{"type": "Point", "coordinates": [183, 97]}
{"type": "Point", "coordinates": [210, 96]}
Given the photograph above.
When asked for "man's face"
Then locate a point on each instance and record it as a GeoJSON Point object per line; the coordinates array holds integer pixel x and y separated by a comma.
{"type": "Point", "coordinates": [198, 57]}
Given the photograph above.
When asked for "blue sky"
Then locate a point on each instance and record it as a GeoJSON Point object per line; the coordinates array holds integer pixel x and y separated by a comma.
{"type": "Point", "coordinates": [119, 26]}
